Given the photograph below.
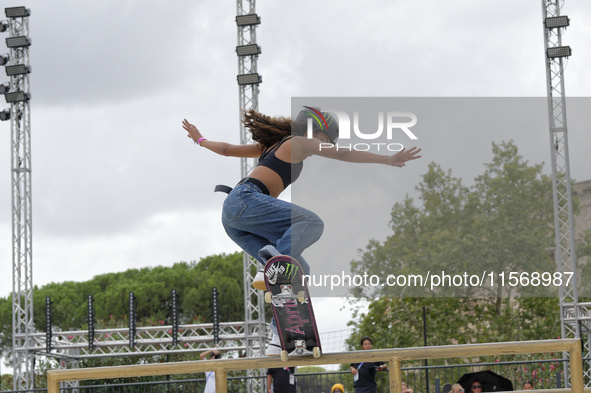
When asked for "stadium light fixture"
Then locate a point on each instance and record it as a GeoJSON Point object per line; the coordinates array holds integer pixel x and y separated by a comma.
{"type": "Point", "coordinates": [248, 20]}
{"type": "Point", "coordinates": [555, 22]}
{"type": "Point", "coordinates": [4, 88]}
{"type": "Point", "coordinates": [20, 41]}
{"type": "Point", "coordinates": [249, 79]}
{"type": "Point", "coordinates": [17, 96]}
{"type": "Point", "coordinates": [17, 12]}
{"type": "Point", "coordinates": [248, 50]}
{"type": "Point", "coordinates": [19, 69]}
{"type": "Point", "coordinates": [3, 26]}
{"type": "Point", "coordinates": [4, 59]}
{"type": "Point", "coordinates": [5, 115]}
{"type": "Point", "coordinates": [559, 51]}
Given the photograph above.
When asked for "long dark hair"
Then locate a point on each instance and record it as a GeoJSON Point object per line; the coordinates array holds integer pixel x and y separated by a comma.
{"type": "Point", "coordinates": [267, 130]}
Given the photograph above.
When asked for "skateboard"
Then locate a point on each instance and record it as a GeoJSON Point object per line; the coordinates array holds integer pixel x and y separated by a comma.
{"type": "Point", "coordinates": [292, 308]}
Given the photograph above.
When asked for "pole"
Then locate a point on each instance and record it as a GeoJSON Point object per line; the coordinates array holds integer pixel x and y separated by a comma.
{"type": "Point", "coordinates": [425, 341]}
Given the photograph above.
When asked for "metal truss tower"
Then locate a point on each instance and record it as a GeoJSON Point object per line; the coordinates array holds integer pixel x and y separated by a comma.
{"type": "Point", "coordinates": [22, 261]}
{"type": "Point", "coordinates": [248, 83]}
{"type": "Point", "coordinates": [574, 316]}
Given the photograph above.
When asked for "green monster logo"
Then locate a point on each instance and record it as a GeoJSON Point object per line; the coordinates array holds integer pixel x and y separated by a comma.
{"type": "Point", "coordinates": [291, 270]}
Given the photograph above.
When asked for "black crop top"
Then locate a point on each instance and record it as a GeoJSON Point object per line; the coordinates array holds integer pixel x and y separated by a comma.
{"type": "Point", "coordinates": [288, 172]}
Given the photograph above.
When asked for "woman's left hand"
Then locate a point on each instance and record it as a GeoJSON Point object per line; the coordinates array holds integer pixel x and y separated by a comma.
{"type": "Point", "coordinates": [399, 159]}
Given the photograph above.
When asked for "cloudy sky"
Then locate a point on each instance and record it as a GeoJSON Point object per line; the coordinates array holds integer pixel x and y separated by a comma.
{"type": "Point", "coordinates": [118, 185]}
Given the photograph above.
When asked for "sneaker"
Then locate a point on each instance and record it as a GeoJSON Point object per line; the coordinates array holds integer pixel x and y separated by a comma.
{"type": "Point", "coordinates": [258, 282]}
{"type": "Point", "coordinates": [267, 253]}
{"type": "Point", "coordinates": [274, 347]}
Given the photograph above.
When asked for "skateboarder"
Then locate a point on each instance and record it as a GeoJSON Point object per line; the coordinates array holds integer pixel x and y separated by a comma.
{"type": "Point", "coordinates": [252, 215]}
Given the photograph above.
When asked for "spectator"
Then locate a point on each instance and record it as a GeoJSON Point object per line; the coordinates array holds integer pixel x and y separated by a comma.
{"type": "Point", "coordinates": [456, 388]}
{"type": "Point", "coordinates": [364, 373]}
{"type": "Point", "coordinates": [476, 387]}
{"type": "Point", "coordinates": [528, 385]}
{"type": "Point", "coordinates": [282, 380]}
{"type": "Point", "coordinates": [210, 375]}
{"type": "Point", "coordinates": [405, 388]}
{"type": "Point", "coordinates": [337, 388]}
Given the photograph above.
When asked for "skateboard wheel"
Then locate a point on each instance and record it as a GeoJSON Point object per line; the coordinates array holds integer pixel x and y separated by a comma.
{"type": "Point", "coordinates": [284, 355]}
{"type": "Point", "coordinates": [316, 352]}
{"type": "Point", "coordinates": [301, 296]}
{"type": "Point", "coordinates": [268, 297]}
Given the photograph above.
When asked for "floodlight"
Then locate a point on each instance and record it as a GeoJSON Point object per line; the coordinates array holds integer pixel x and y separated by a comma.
{"type": "Point", "coordinates": [4, 88]}
{"type": "Point", "coordinates": [556, 21]}
{"type": "Point", "coordinates": [20, 41]}
{"type": "Point", "coordinates": [558, 51]}
{"type": "Point", "coordinates": [19, 69]}
{"type": "Point", "coordinates": [17, 96]}
{"type": "Point", "coordinates": [4, 59]}
{"type": "Point", "coordinates": [249, 79]}
{"type": "Point", "coordinates": [17, 12]}
{"type": "Point", "coordinates": [5, 114]}
{"type": "Point", "coordinates": [248, 50]}
{"type": "Point", "coordinates": [248, 20]}
{"type": "Point", "coordinates": [3, 26]}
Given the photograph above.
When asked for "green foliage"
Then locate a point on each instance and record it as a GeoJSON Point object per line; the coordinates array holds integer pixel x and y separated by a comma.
{"type": "Point", "coordinates": [398, 322]}
{"type": "Point", "coordinates": [499, 225]}
{"type": "Point", "coordinates": [310, 370]}
{"type": "Point", "coordinates": [152, 287]}
{"type": "Point", "coordinates": [6, 382]}
{"type": "Point", "coordinates": [583, 254]}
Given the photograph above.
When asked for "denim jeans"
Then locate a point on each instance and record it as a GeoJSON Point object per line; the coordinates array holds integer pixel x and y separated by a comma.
{"type": "Point", "coordinates": [253, 220]}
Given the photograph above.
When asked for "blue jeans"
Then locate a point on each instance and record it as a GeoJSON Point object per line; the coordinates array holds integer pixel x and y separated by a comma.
{"type": "Point", "coordinates": [253, 220]}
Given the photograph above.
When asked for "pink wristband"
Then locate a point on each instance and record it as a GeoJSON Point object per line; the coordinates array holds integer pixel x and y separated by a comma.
{"type": "Point", "coordinates": [200, 140]}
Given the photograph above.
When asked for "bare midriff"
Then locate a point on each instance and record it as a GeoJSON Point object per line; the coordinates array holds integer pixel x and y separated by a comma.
{"type": "Point", "coordinates": [270, 178]}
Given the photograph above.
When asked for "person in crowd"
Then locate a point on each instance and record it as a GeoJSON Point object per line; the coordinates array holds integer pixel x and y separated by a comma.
{"type": "Point", "coordinates": [476, 387]}
{"type": "Point", "coordinates": [337, 388]}
{"type": "Point", "coordinates": [406, 388]}
{"type": "Point", "coordinates": [364, 373]}
{"type": "Point", "coordinates": [210, 375]}
{"type": "Point", "coordinates": [281, 380]}
{"type": "Point", "coordinates": [456, 388]}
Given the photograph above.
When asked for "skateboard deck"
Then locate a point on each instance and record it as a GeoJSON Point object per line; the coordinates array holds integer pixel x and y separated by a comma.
{"type": "Point", "coordinates": [292, 308]}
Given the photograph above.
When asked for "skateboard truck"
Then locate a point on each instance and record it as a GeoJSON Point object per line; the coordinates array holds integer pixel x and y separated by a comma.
{"type": "Point", "coordinates": [286, 295]}
{"type": "Point", "coordinates": [301, 350]}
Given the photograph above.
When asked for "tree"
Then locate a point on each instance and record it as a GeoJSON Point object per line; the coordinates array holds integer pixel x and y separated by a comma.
{"type": "Point", "coordinates": [499, 227]}
{"type": "Point", "coordinates": [398, 322]}
{"type": "Point", "coordinates": [152, 287]}
{"type": "Point", "coordinates": [583, 254]}
{"type": "Point", "coordinates": [501, 224]}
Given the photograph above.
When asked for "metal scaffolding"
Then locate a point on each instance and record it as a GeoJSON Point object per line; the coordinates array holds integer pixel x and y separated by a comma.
{"type": "Point", "coordinates": [248, 87]}
{"type": "Point", "coordinates": [151, 340]}
{"type": "Point", "coordinates": [18, 95]}
{"type": "Point", "coordinates": [574, 316]}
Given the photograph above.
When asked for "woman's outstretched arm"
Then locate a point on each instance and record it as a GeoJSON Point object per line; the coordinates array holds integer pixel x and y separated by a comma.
{"type": "Point", "coordinates": [222, 148]}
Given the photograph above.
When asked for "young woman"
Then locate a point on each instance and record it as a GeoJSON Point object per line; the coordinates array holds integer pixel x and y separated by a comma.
{"type": "Point", "coordinates": [252, 215]}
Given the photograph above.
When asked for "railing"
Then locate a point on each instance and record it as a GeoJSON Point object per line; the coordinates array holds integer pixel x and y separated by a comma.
{"type": "Point", "coordinates": [394, 358]}
{"type": "Point", "coordinates": [546, 374]}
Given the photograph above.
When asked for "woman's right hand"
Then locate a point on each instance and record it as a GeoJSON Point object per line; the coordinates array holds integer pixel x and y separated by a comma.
{"type": "Point", "coordinates": [194, 133]}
